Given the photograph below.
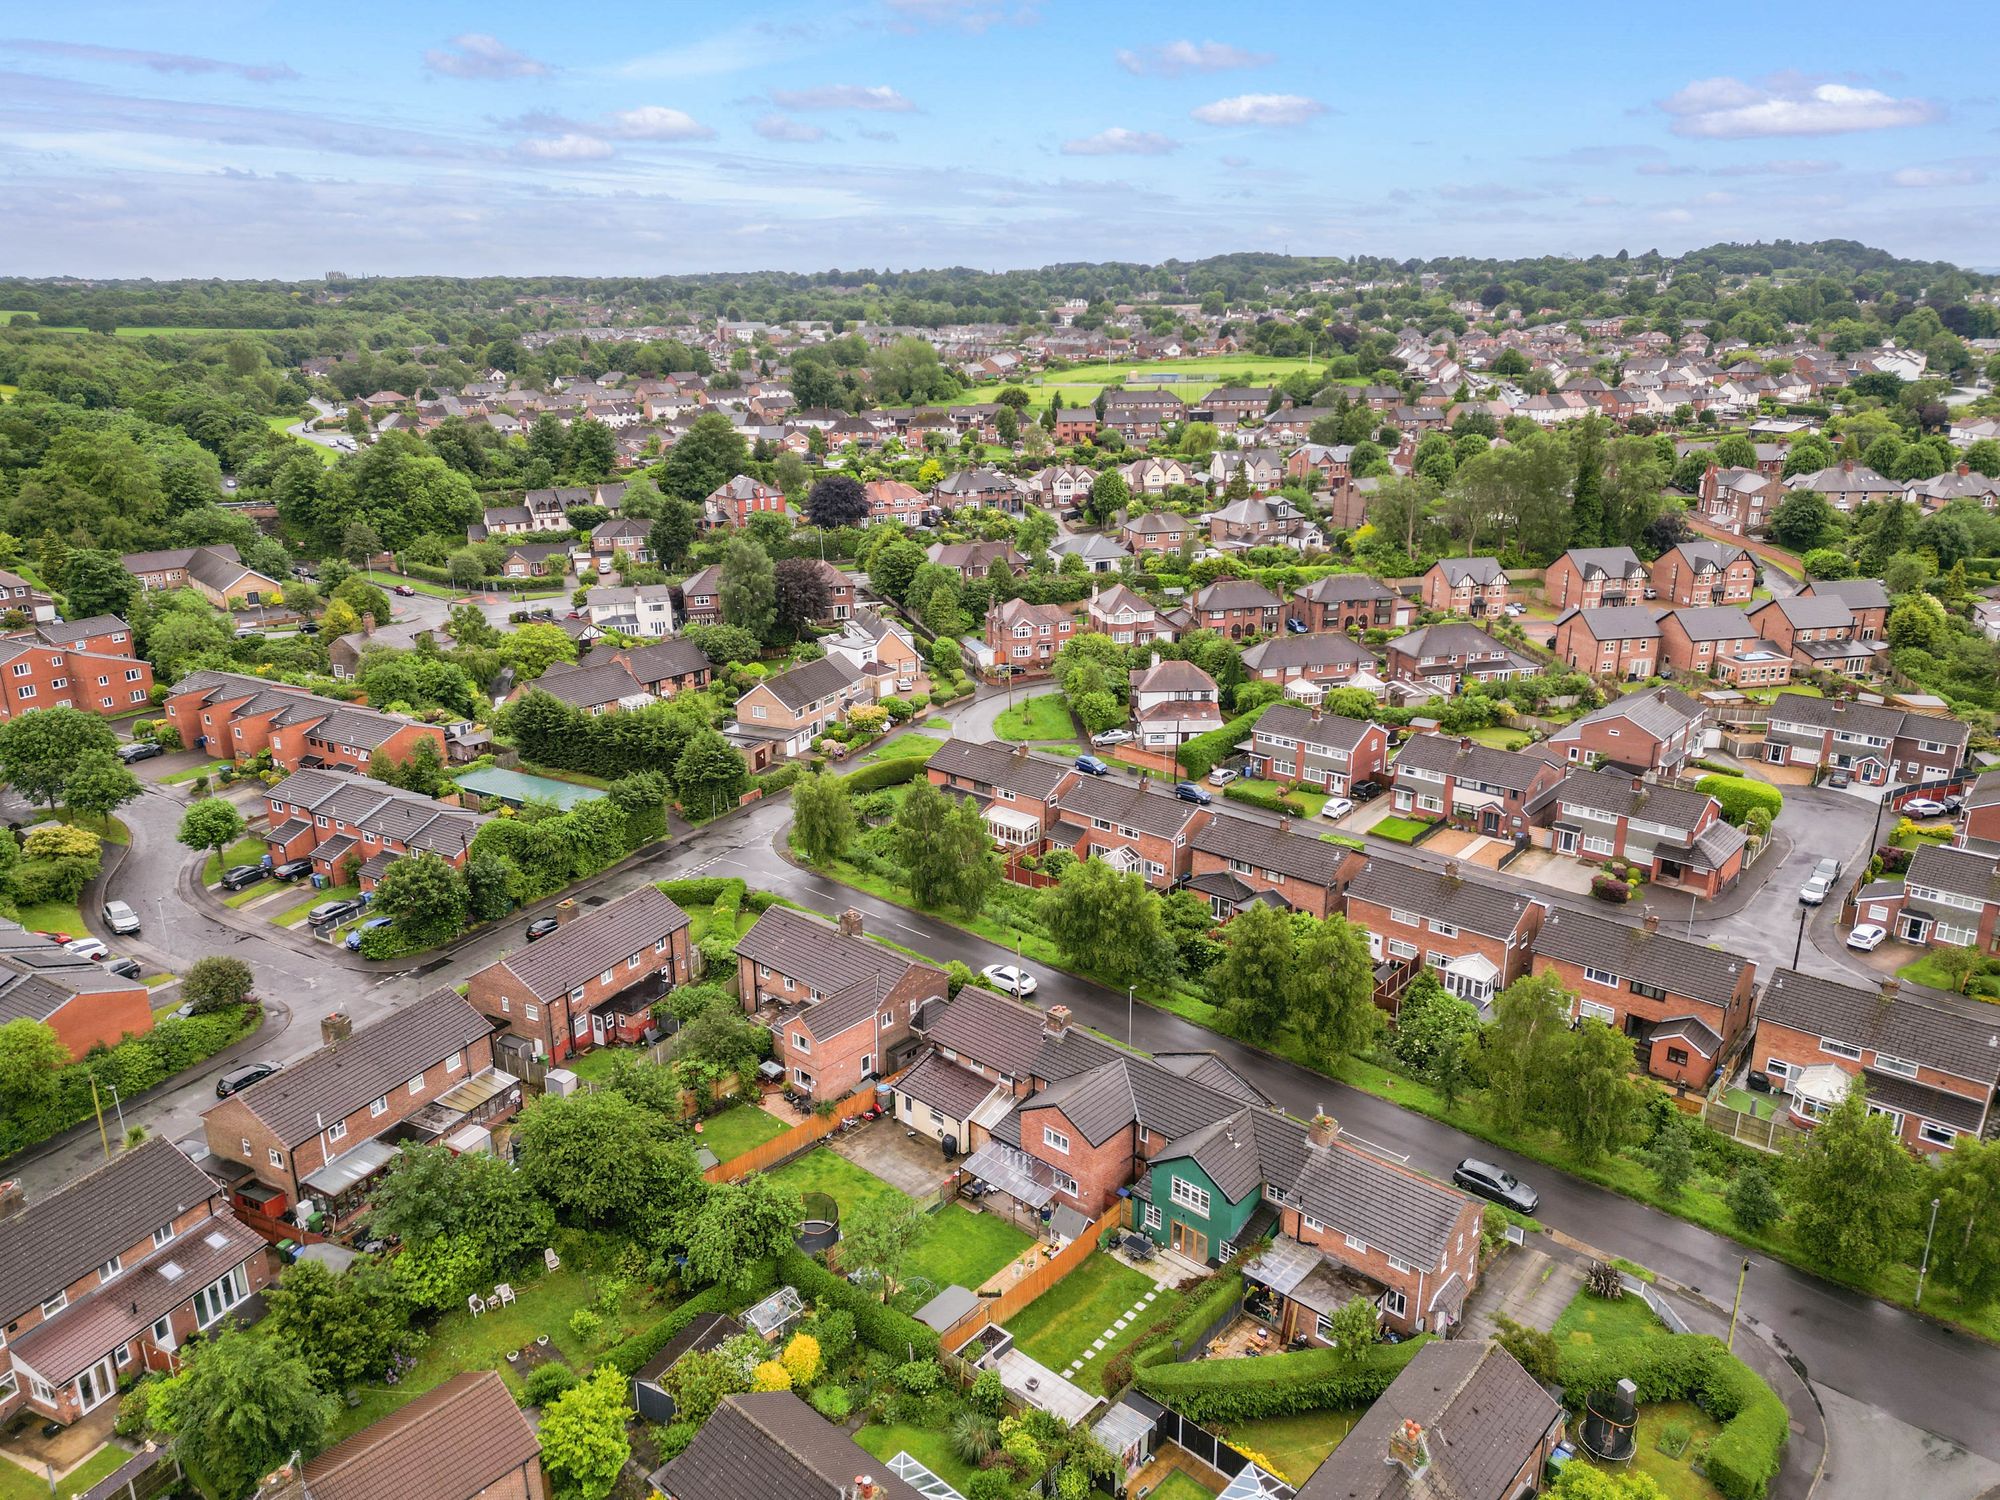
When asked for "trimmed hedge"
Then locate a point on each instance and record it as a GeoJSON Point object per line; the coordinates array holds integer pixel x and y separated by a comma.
{"type": "Point", "coordinates": [1199, 755]}
{"type": "Point", "coordinates": [704, 890]}
{"type": "Point", "coordinates": [891, 772]}
{"type": "Point", "coordinates": [630, 1356]}
{"type": "Point", "coordinates": [1738, 795]}
{"type": "Point", "coordinates": [1263, 797]}
{"type": "Point", "coordinates": [495, 585]}
{"type": "Point", "coordinates": [782, 778]}
{"type": "Point", "coordinates": [1278, 1385]}
{"type": "Point", "coordinates": [1209, 1303]}
{"type": "Point", "coordinates": [876, 1324]}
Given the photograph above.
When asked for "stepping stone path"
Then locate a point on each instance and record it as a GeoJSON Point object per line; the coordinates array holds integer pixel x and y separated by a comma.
{"type": "Point", "coordinates": [1131, 1316]}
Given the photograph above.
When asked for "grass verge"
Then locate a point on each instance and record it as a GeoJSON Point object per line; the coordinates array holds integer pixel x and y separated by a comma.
{"type": "Point", "coordinates": [1044, 717]}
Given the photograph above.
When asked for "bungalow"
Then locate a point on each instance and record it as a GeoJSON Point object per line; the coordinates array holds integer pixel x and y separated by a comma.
{"type": "Point", "coordinates": [1238, 607]}
{"type": "Point", "coordinates": [797, 706]}
{"type": "Point", "coordinates": [1676, 837]}
{"type": "Point", "coordinates": [1156, 531]}
{"type": "Point", "coordinates": [535, 559]}
{"type": "Point", "coordinates": [215, 572]}
{"type": "Point", "coordinates": [1701, 573]}
{"type": "Point", "coordinates": [1683, 1003]}
{"type": "Point", "coordinates": [595, 687]}
{"type": "Point", "coordinates": [1847, 485]}
{"type": "Point", "coordinates": [1587, 577]}
{"type": "Point", "coordinates": [1651, 733]}
{"type": "Point", "coordinates": [1350, 601]}
{"type": "Point", "coordinates": [1478, 938]}
{"type": "Point", "coordinates": [1439, 777]}
{"type": "Point", "coordinates": [1172, 702]}
{"type": "Point", "coordinates": [1878, 744]}
{"type": "Point", "coordinates": [1128, 618]}
{"type": "Point", "coordinates": [1304, 746]}
{"type": "Point", "coordinates": [1135, 829]}
{"type": "Point", "coordinates": [1929, 1063]}
{"type": "Point", "coordinates": [1027, 636]}
{"type": "Point", "coordinates": [1444, 657]}
{"type": "Point", "coordinates": [1472, 586]}
{"type": "Point", "coordinates": [1238, 862]}
{"type": "Point", "coordinates": [1609, 643]}
{"type": "Point", "coordinates": [1100, 554]}
{"type": "Point", "coordinates": [1719, 641]}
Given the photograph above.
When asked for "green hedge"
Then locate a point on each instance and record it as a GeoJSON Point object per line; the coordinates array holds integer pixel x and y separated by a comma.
{"type": "Point", "coordinates": [1738, 795]}
{"type": "Point", "coordinates": [1264, 797]}
{"type": "Point", "coordinates": [892, 772]}
{"type": "Point", "coordinates": [1278, 1385]}
{"type": "Point", "coordinates": [497, 585]}
{"type": "Point", "coordinates": [1204, 1306]}
{"type": "Point", "coordinates": [630, 1356]}
{"type": "Point", "coordinates": [780, 779]}
{"type": "Point", "coordinates": [876, 1324]}
{"type": "Point", "coordinates": [703, 890]}
{"type": "Point", "coordinates": [1199, 755]}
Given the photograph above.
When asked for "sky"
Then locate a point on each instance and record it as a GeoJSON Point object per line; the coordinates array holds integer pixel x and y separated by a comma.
{"type": "Point", "coordinates": [234, 139]}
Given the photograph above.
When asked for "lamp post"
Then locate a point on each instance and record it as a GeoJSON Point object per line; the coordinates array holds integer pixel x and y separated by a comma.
{"type": "Point", "coordinates": [1798, 946]}
{"type": "Point", "coordinates": [1734, 1311]}
{"type": "Point", "coordinates": [1129, 989]}
{"type": "Point", "coordinates": [119, 1105]}
{"type": "Point", "coordinates": [1923, 1270]}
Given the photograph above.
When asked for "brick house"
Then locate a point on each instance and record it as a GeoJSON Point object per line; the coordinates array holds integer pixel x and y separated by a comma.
{"type": "Point", "coordinates": [1061, 486]}
{"type": "Point", "coordinates": [1171, 703]}
{"type": "Point", "coordinates": [1478, 938]}
{"type": "Point", "coordinates": [1304, 746]}
{"type": "Point", "coordinates": [1446, 656]}
{"type": "Point", "coordinates": [839, 1006]}
{"type": "Point", "coordinates": [466, 1439]}
{"type": "Point", "coordinates": [1867, 600]}
{"type": "Point", "coordinates": [1238, 862]}
{"type": "Point", "coordinates": [1678, 838]}
{"type": "Point", "coordinates": [893, 500]}
{"type": "Point", "coordinates": [1075, 424]}
{"type": "Point", "coordinates": [1027, 636]}
{"type": "Point", "coordinates": [1683, 1003]}
{"type": "Point", "coordinates": [592, 982]}
{"type": "Point", "coordinates": [1950, 897]}
{"type": "Point", "coordinates": [1238, 607]}
{"type": "Point", "coordinates": [1140, 416]}
{"type": "Point", "coordinates": [1349, 601]}
{"type": "Point", "coordinates": [977, 487]}
{"type": "Point", "coordinates": [1819, 630]}
{"type": "Point", "coordinates": [109, 1276]}
{"type": "Point", "coordinates": [882, 650]}
{"type": "Point", "coordinates": [733, 503]}
{"type": "Point", "coordinates": [1739, 501]}
{"type": "Point", "coordinates": [1261, 521]}
{"type": "Point", "coordinates": [18, 596]}
{"type": "Point", "coordinates": [1157, 473]}
{"type": "Point", "coordinates": [1332, 462]}
{"type": "Point", "coordinates": [1930, 1063]}
{"type": "Point", "coordinates": [1982, 809]}
{"type": "Point", "coordinates": [667, 667]}
{"type": "Point", "coordinates": [1128, 618]}
{"type": "Point", "coordinates": [88, 666]}
{"type": "Point", "coordinates": [1331, 660]}
{"type": "Point", "coordinates": [977, 559]}
{"type": "Point", "coordinates": [1156, 531]}
{"type": "Point", "coordinates": [1619, 644]}
{"type": "Point", "coordinates": [1589, 577]}
{"type": "Point", "coordinates": [312, 1130]}
{"type": "Point", "coordinates": [1719, 641]}
{"type": "Point", "coordinates": [335, 818]}
{"type": "Point", "coordinates": [1651, 733]}
{"type": "Point", "coordinates": [701, 596]}
{"type": "Point", "coordinates": [620, 542]}
{"type": "Point", "coordinates": [1698, 573]}
{"type": "Point", "coordinates": [1472, 586]}
{"type": "Point", "coordinates": [233, 716]}
{"type": "Point", "coordinates": [1017, 791]}
{"type": "Point", "coordinates": [1439, 777]}
{"type": "Point", "coordinates": [1230, 406]}
{"type": "Point", "coordinates": [215, 572]}
{"type": "Point", "coordinates": [1847, 485]}
{"type": "Point", "coordinates": [1876, 743]}
{"type": "Point", "coordinates": [1132, 828]}
{"type": "Point", "coordinates": [798, 705]}
{"type": "Point", "coordinates": [597, 687]}
{"type": "Point", "coordinates": [83, 1003]}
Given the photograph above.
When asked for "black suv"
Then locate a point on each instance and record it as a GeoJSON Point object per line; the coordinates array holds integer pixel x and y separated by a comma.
{"type": "Point", "coordinates": [292, 869]}
{"type": "Point", "coordinates": [238, 1079]}
{"type": "Point", "coordinates": [139, 750]}
{"type": "Point", "coordinates": [1365, 791]}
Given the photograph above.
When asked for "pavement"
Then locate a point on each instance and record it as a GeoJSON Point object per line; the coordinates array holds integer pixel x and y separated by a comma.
{"type": "Point", "coordinates": [1871, 1454]}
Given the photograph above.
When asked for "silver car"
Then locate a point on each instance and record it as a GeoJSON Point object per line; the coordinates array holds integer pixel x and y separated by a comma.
{"type": "Point", "coordinates": [1813, 892]}
{"type": "Point", "coordinates": [120, 918]}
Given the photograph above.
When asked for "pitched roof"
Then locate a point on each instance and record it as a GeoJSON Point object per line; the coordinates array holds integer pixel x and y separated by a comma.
{"type": "Point", "coordinates": [1660, 712]}
{"type": "Point", "coordinates": [1483, 571]}
{"type": "Point", "coordinates": [448, 1444]}
{"type": "Point", "coordinates": [1172, 675]}
{"type": "Point", "coordinates": [1810, 611]}
{"type": "Point", "coordinates": [1629, 797]}
{"type": "Point", "coordinates": [1855, 593]}
{"type": "Point", "coordinates": [1614, 624]}
{"type": "Point", "coordinates": [1704, 553]}
{"type": "Point", "coordinates": [990, 1029]}
{"type": "Point", "coordinates": [1332, 731]}
{"type": "Point", "coordinates": [1392, 1208]}
{"type": "Point", "coordinates": [810, 682]}
{"type": "Point", "coordinates": [1297, 856]}
{"type": "Point", "coordinates": [997, 766]}
{"type": "Point", "coordinates": [1450, 638]}
{"type": "Point", "coordinates": [1711, 622]}
{"type": "Point", "coordinates": [1343, 588]}
{"type": "Point", "coordinates": [667, 659]}
{"type": "Point", "coordinates": [1324, 650]}
{"type": "Point", "coordinates": [590, 686]}
{"type": "Point", "coordinates": [1127, 806]}
{"type": "Point", "coordinates": [1236, 593]}
{"type": "Point", "coordinates": [1465, 759]}
{"type": "Point", "coordinates": [1963, 872]}
{"type": "Point", "coordinates": [1604, 562]}
{"type": "Point", "coordinates": [1657, 958]}
{"type": "Point", "coordinates": [595, 941]}
{"type": "Point", "coordinates": [1485, 909]}
{"type": "Point", "coordinates": [770, 1444]}
{"type": "Point", "coordinates": [1866, 719]}
{"type": "Point", "coordinates": [1961, 1040]}
{"type": "Point", "coordinates": [850, 974]}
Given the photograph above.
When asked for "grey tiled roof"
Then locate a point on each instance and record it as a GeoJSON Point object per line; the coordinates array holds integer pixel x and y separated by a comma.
{"type": "Point", "coordinates": [1604, 562]}
{"type": "Point", "coordinates": [1855, 593]}
{"type": "Point", "coordinates": [952, 1090]}
{"type": "Point", "coordinates": [998, 766]}
{"type": "Point", "coordinates": [1236, 593]}
{"type": "Point", "coordinates": [1712, 622]}
{"type": "Point", "coordinates": [1468, 760]}
{"type": "Point", "coordinates": [1866, 718]}
{"type": "Point", "coordinates": [811, 682]}
{"type": "Point", "coordinates": [1329, 731]}
{"type": "Point", "coordinates": [1323, 650]}
{"type": "Point", "coordinates": [1615, 792]}
{"type": "Point", "coordinates": [1340, 588]}
{"type": "Point", "coordinates": [1297, 856]}
{"type": "Point", "coordinates": [1674, 964]}
{"type": "Point", "coordinates": [1483, 571]}
{"type": "Point", "coordinates": [599, 939]}
{"type": "Point", "coordinates": [1964, 872]}
{"type": "Point", "coordinates": [989, 1029]}
{"type": "Point", "coordinates": [1482, 908]}
{"type": "Point", "coordinates": [1227, 1151]}
{"type": "Point", "coordinates": [1614, 624]}
{"type": "Point", "coordinates": [1811, 611]}
{"type": "Point", "coordinates": [1160, 813]}
{"type": "Point", "coordinates": [1450, 638]}
{"type": "Point", "coordinates": [1347, 1188]}
{"type": "Point", "coordinates": [771, 1446]}
{"type": "Point", "coordinates": [847, 972]}
{"type": "Point", "coordinates": [1962, 1040]}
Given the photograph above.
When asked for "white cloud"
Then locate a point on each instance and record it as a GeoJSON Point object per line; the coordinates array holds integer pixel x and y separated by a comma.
{"type": "Point", "coordinates": [781, 128]}
{"type": "Point", "coordinates": [657, 122]}
{"type": "Point", "coordinates": [1730, 109]}
{"type": "Point", "coordinates": [1118, 141]}
{"type": "Point", "coordinates": [1171, 59]}
{"type": "Point", "coordinates": [1260, 109]}
{"type": "Point", "coordinates": [1923, 177]}
{"type": "Point", "coordinates": [475, 54]}
{"type": "Point", "coordinates": [159, 62]}
{"type": "Point", "coordinates": [843, 96]}
{"type": "Point", "coordinates": [571, 147]}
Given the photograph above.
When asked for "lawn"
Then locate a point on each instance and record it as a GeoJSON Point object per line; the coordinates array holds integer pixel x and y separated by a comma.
{"type": "Point", "coordinates": [1190, 379]}
{"type": "Point", "coordinates": [248, 850]}
{"type": "Point", "coordinates": [1310, 798]}
{"type": "Point", "coordinates": [1762, 1106]}
{"type": "Point", "coordinates": [904, 746]}
{"type": "Point", "coordinates": [190, 773]}
{"type": "Point", "coordinates": [238, 899]}
{"type": "Point", "coordinates": [16, 1483]}
{"type": "Point", "coordinates": [1502, 739]}
{"type": "Point", "coordinates": [1041, 718]}
{"type": "Point", "coordinates": [959, 1247]}
{"type": "Point", "coordinates": [53, 916]}
{"type": "Point", "coordinates": [1296, 1444]}
{"type": "Point", "coordinates": [1925, 971]}
{"type": "Point", "coordinates": [1058, 1326]}
{"type": "Point", "coordinates": [1591, 1319]}
{"type": "Point", "coordinates": [291, 916]}
{"type": "Point", "coordinates": [1675, 1476]}
{"type": "Point", "coordinates": [112, 830]}
{"type": "Point", "coordinates": [1181, 1485]}
{"type": "Point", "coordinates": [926, 1445]}
{"type": "Point", "coordinates": [1399, 830]}
{"type": "Point", "coordinates": [421, 585]}
{"type": "Point", "coordinates": [824, 1171]}
{"type": "Point", "coordinates": [738, 1129]}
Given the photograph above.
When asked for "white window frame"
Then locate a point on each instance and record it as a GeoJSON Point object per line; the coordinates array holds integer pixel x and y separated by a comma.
{"type": "Point", "coordinates": [1055, 1140]}
{"type": "Point", "coordinates": [1191, 1196]}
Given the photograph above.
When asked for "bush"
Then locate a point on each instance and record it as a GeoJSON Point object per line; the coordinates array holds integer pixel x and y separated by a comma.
{"type": "Point", "coordinates": [877, 1326]}
{"type": "Point", "coordinates": [832, 1402]}
{"type": "Point", "coordinates": [702, 891]}
{"type": "Point", "coordinates": [1198, 756]}
{"type": "Point", "coordinates": [892, 772]}
{"type": "Point", "coordinates": [1738, 794]}
{"type": "Point", "coordinates": [918, 1376]}
{"type": "Point", "coordinates": [673, 1439]}
{"type": "Point", "coordinates": [631, 1356]}
{"type": "Point", "coordinates": [1610, 888]}
{"type": "Point", "coordinates": [586, 1325]}
{"type": "Point", "coordinates": [782, 778]}
{"type": "Point", "coordinates": [1278, 1385]}
{"type": "Point", "coordinates": [1205, 1304]}
{"type": "Point", "coordinates": [545, 1383]}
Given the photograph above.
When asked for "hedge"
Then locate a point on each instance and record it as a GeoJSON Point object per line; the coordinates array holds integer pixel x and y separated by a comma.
{"type": "Point", "coordinates": [1738, 795]}
{"type": "Point", "coordinates": [780, 779]}
{"type": "Point", "coordinates": [1199, 755]}
{"type": "Point", "coordinates": [629, 1357]}
{"type": "Point", "coordinates": [876, 1324]}
{"type": "Point", "coordinates": [1204, 1306]}
{"type": "Point", "coordinates": [1264, 797]}
{"type": "Point", "coordinates": [703, 890]}
{"type": "Point", "coordinates": [496, 585]}
{"type": "Point", "coordinates": [1278, 1385]}
{"type": "Point", "coordinates": [892, 772]}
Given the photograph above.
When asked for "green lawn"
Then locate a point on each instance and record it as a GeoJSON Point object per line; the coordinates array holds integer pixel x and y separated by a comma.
{"type": "Point", "coordinates": [905, 746]}
{"type": "Point", "coordinates": [421, 585]}
{"type": "Point", "coordinates": [1310, 798]}
{"type": "Point", "coordinates": [1181, 1485]}
{"type": "Point", "coordinates": [1399, 830]}
{"type": "Point", "coordinates": [1502, 739]}
{"type": "Point", "coordinates": [291, 916]}
{"type": "Point", "coordinates": [1675, 1476]}
{"type": "Point", "coordinates": [823, 1171]}
{"type": "Point", "coordinates": [53, 916]}
{"type": "Point", "coordinates": [112, 829]}
{"type": "Point", "coordinates": [1041, 718]}
{"type": "Point", "coordinates": [1080, 385]}
{"type": "Point", "coordinates": [16, 1483]}
{"type": "Point", "coordinates": [249, 893]}
{"type": "Point", "coordinates": [927, 1446]}
{"type": "Point", "coordinates": [738, 1129]}
{"type": "Point", "coordinates": [1925, 971]}
{"type": "Point", "coordinates": [189, 773]}
{"type": "Point", "coordinates": [1071, 1315]}
{"type": "Point", "coordinates": [1296, 1444]}
{"type": "Point", "coordinates": [1590, 1319]}
{"type": "Point", "coordinates": [1760, 1105]}
{"type": "Point", "coordinates": [960, 1247]}
{"type": "Point", "coordinates": [247, 850]}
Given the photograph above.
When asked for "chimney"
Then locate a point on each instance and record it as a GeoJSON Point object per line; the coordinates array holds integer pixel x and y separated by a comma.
{"type": "Point", "coordinates": [1660, 696]}
{"type": "Point", "coordinates": [1056, 1022]}
{"type": "Point", "coordinates": [1451, 869]}
{"type": "Point", "coordinates": [850, 922]}
{"type": "Point", "coordinates": [335, 1027]}
{"type": "Point", "coordinates": [1651, 921]}
{"type": "Point", "coordinates": [1324, 1129]}
{"type": "Point", "coordinates": [1465, 742]}
{"type": "Point", "coordinates": [1963, 468]}
{"type": "Point", "coordinates": [566, 909]}
{"type": "Point", "coordinates": [1406, 1447]}
{"type": "Point", "coordinates": [865, 1487]}
{"type": "Point", "coordinates": [13, 1197]}
{"type": "Point", "coordinates": [1021, 747]}
{"type": "Point", "coordinates": [1889, 988]}
{"type": "Point", "coordinates": [1847, 466]}
{"type": "Point", "coordinates": [1638, 786]}
{"type": "Point", "coordinates": [368, 622]}
{"type": "Point", "coordinates": [1156, 658]}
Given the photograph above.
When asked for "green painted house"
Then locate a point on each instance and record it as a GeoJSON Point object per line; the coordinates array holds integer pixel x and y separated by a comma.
{"type": "Point", "coordinates": [1201, 1191]}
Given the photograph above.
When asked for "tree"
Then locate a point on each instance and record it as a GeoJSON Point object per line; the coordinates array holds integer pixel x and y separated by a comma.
{"type": "Point", "coordinates": [673, 531]}
{"type": "Point", "coordinates": [878, 1235]}
{"type": "Point", "coordinates": [40, 749]}
{"type": "Point", "coordinates": [95, 582]}
{"type": "Point", "coordinates": [212, 823]}
{"type": "Point", "coordinates": [238, 1408]}
{"type": "Point", "coordinates": [215, 982]}
{"type": "Point", "coordinates": [1250, 980]}
{"type": "Point", "coordinates": [944, 849]}
{"type": "Point", "coordinates": [432, 1195]}
{"type": "Point", "coordinates": [749, 589]}
{"type": "Point", "coordinates": [1109, 924]}
{"type": "Point", "coordinates": [30, 1055]}
{"type": "Point", "coordinates": [1109, 494]}
{"type": "Point", "coordinates": [1958, 965]}
{"type": "Point", "coordinates": [1967, 1247]}
{"type": "Point", "coordinates": [359, 541]}
{"type": "Point", "coordinates": [823, 821]}
{"type": "Point", "coordinates": [565, 1142]}
{"type": "Point", "coordinates": [1332, 985]}
{"type": "Point", "coordinates": [1853, 1189]}
{"type": "Point", "coordinates": [99, 785]}
{"type": "Point", "coordinates": [1587, 1094]}
{"type": "Point", "coordinates": [582, 1432]}
{"type": "Point", "coordinates": [1351, 1329]}
{"type": "Point", "coordinates": [707, 456]}
{"type": "Point", "coordinates": [1803, 520]}
{"type": "Point", "coordinates": [837, 500]}
{"type": "Point", "coordinates": [710, 774]}
{"type": "Point", "coordinates": [892, 566]}
{"type": "Point", "coordinates": [1582, 1482]}
{"type": "Point", "coordinates": [425, 897]}
{"type": "Point", "coordinates": [699, 1382]}
{"type": "Point", "coordinates": [1753, 1201]}
{"type": "Point", "coordinates": [1672, 1155]}
{"type": "Point", "coordinates": [739, 1225]}
{"type": "Point", "coordinates": [800, 595]}
{"type": "Point", "coordinates": [346, 1326]}
{"type": "Point", "coordinates": [1530, 1017]}
{"type": "Point", "coordinates": [1400, 511]}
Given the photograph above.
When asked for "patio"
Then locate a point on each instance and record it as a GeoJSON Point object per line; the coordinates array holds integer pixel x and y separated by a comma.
{"type": "Point", "coordinates": [63, 1451]}
{"type": "Point", "coordinates": [1040, 1386]}
{"type": "Point", "coordinates": [909, 1162]}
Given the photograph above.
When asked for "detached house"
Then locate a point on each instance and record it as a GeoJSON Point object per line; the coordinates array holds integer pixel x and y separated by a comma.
{"type": "Point", "coordinates": [1651, 733]}
{"type": "Point", "coordinates": [795, 707]}
{"type": "Point", "coordinates": [1156, 531]}
{"type": "Point", "coordinates": [1326, 661]}
{"type": "Point", "coordinates": [1701, 573]}
{"type": "Point", "coordinates": [1719, 641]}
{"type": "Point", "coordinates": [1950, 896]}
{"type": "Point", "coordinates": [1128, 618]}
{"type": "Point", "coordinates": [893, 500]}
{"type": "Point", "coordinates": [1472, 586]}
{"type": "Point", "coordinates": [215, 572]}
{"type": "Point", "coordinates": [1610, 643]}
{"type": "Point", "coordinates": [1438, 776]}
{"type": "Point", "coordinates": [1847, 485]}
{"type": "Point", "coordinates": [1867, 600]}
{"type": "Point", "coordinates": [1478, 938]}
{"type": "Point", "coordinates": [645, 610]}
{"type": "Point", "coordinates": [701, 596]}
{"type": "Point", "coordinates": [1587, 577]}
{"type": "Point", "coordinates": [1739, 501]}
{"type": "Point", "coordinates": [1027, 636]}
{"type": "Point", "coordinates": [1445, 657]}
{"type": "Point", "coordinates": [1877, 744]}
{"type": "Point", "coordinates": [733, 503]}
{"type": "Point", "coordinates": [1819, 630]}
{"type": "Point", "coordinates": [977, 559]}
{"type": "Point", "coordinates": [1238, 607]}
{"type": "Point", "coordinates": [1172, 702]}
{"type": "Point", "coordinates": [1300, 745]}
{"type": "Point", "coordinates": [1678, 838]}
{"type": "Point", "coordinates": [1349, 601]}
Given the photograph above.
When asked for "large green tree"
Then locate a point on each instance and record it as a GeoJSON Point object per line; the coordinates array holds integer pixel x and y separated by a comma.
{"type": "Point", "coordinates": [749, 589]}
{"type": "Point", "coordinates": [708, 455]}
{"type": "Point", "coordinates": [1966, 1250]}
{"type": "Point", "coordinates": [239, 1407]}
{"type": "Point", "coordinates": [424, 895]}
{"type": "Point", "coordinates": [1109, 924]}
{"type": "Point", "coordinates": [582, 1432]}
{"type": "Point", "coordinates": [944, 849]}
{"type": "Point", "coordinates": [213, 824]}
{"type": "Point", "coordinates": [345, 1326]}
{"type": "Point", "coordinates": [823, 820]}
{"type": "Point", "coordinates": [739, 1227]}
{"type": "Point", "coordinates": [40, 749]}
{"type": "Point", "coordinates": [1853, 1189]}
{"type": "Point", "coordinates": [565, 1141]}
{"type": "Point", "coordinates": [710, 774]}
{"type": "Point", "coordinates": [98, 785]}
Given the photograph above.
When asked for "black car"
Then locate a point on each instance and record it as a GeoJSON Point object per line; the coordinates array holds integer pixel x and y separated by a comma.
{"type": "Point", "coordinates": [139, 750]}
{"type": "Point", "coordinates": [1485, 1180]}
{"type": "Point", "coordinates": [237, 877]}
{"type": "Point", "coordinates": [541, 927]}
{"type": "Point", "coordinates": [127, 968]}
{"type": "Point", "coordinates": [1187, 791]}
{"type": "Point", "coordinates": [1365, 791]}
{"type": "Point", "coordinates": [292, 869]}
{"type": "Point", "coordinates": [238, 1079]}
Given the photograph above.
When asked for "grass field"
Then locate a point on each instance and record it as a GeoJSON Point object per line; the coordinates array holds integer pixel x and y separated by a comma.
{"type": "Point", "coordinates": [738, 1129]}
{"type": "Point", "coordinates": [1675, 1476]}
{"type": "Point", "coordinates": [1590, 1319]}
{"type": "Point", "coordinates": [237, 899]}
{"type": "Point", "coordinates": [1502, 739]}
{"type": "Point", "coordinates": [1310, 798]}
{"type": "Point", "coordinates": [825, 1171]}
{"type": "Point", "coordinates": [1181, 1485]}
{"type": "Point", "coordinates": [421, 585]}
{"type": "Point", "coordinates": [904, 746]}
{"type": "Point", "coordinates": [53, 916]}
{"type": "Point", "coordinates": [1045, 717]}
{"type": "Point", "coordinates": [16, 1483]}
{"type": "Point", "coordinates": [293, 915]}
{"type": "Point", "coordinates": [1190, 379]}
{"type": "Point", "coordinates": [1398, 830]}
{"type": "Point", "coordinates": [1058, 1326]}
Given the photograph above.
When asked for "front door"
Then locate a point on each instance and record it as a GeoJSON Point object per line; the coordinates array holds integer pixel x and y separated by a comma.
{"type": "Point", "coordinates": [596, 1029]}
{"type": "Point", "coordinates": [1489, 822]}
{"type": "Point", "coordinates": [1194, 1246]}
{"type": "Point", "coordinates": [95, 1385]}
{"type": "Point", "coordinates": [1565, 841]}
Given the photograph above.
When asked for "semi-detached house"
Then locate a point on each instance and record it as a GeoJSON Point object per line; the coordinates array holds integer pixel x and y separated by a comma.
{"type": "Point", "coordinates": [1482, 786]}
{"type": "Point", "coordinates": [1587, 577]}
{"type": "Point", "coordinates": [1950, 897]}
{"type": "Point", "coordinates": [1349, 601]}
{"type": "Point", "coordinates": [1477, 938]}
{"type": "Point", "coordinates": [1447, 656]}
{"type": "Point", "coordinates": [1016, 791]}
{"type": "Point", "coordinates": [82, 1002]}
{"type": "Point", "coordinates": [1676, 837]}
{"type": "Point", "coordinates": [1134, 829]}
{"type": "Point", "coordinates": [1238, 863]}
{"type": "Point", "coordinates": [796, 707]}
{"type": "Point", "coordinates": [1646, 734]}
{"type": "Point", "coordinates": [1616, 643]}
{"type": "Point", "coordinates": [1328, 751]}
{"type": "Point", "coordinates": [335, 818]}
{"type": "Point", "coordinates": [1718, 641]}
{"type": "Point", "coordinates": [1701, 572]}
{"type": "Point", "coordinates": [1873, 742]}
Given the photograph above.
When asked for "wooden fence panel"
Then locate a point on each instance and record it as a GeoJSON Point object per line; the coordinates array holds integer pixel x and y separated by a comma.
{"type": "Point", "coordinates": [806, 1133]}
{"type": "Point", "coordinates": [1028, 1288]}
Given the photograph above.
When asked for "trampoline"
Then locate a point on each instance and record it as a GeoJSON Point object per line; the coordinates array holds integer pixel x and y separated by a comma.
{"type": "Point", "coordinates": [1608, 1429]}
{"type": "Point", "coordinates": [819, 1225]}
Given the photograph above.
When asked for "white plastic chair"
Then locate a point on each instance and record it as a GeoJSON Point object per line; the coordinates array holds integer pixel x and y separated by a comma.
{"type": "Point", "coordinates": [475, 1305]}
{"type": "Point", "coordinates": [553, 1260]}
{"type": "Point", "coordinates": [503, 1296]}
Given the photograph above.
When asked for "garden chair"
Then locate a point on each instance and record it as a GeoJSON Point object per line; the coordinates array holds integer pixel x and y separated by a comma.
{"type": "Point", "coordinates": [473, 1303]}
{"type": "Point", "coordinates": [503, 1296]}
{"type": "Point", "coordinates": [553, 1260]}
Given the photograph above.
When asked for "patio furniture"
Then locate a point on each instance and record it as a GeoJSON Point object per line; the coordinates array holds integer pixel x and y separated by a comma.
{"type": "Point", "coordinates": [551, 1259]}
{"type": "Point", "coordinates": [503, 1296]}
{"type": "Point", "coordinates": [474, 1304]}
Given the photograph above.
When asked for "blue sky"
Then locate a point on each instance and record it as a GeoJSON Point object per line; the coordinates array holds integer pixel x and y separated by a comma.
{"type": "Point", "coordinates": [239, 139]}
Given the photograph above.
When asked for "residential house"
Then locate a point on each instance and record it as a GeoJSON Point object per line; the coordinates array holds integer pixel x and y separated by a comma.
{"type": "Point", "coordinates": [1016, 791]}
{"type": "Point", "coordinates": [1075, 424]}
{"type": "Point", "coordinates": [36, 672]}
{"type": "Point", "coordinates": [1156, 531]}
{"type": "Point", "coordinates": [1651, 733]}
{"type": "Point", "coordinates": [620, 542]}
{"type": "Point", "coordinates": [1446, 656]}
{"type": "Point", "coordinates": [882, 650]}
{"type": "Point", "coordinates": [1617, 644]}
{"type": "Point", "coordinates": [1238, 862]}
{"type": "Point", "coordinates": [770, 1444]}
{"type": "Point", "coordinates": [337, 819]}
{"type": "Point", "coordinates": [734, 502]}
{"type": "Point", "coordinates": [1349, 601]}
{"type": "Point", "coordinates": [1127, 617]}
{"type": "Point", "coordinates": [215, 572]}
{"type": "Point", "coordinates": [1171, 703]}
{"type": "Point", "coordinates": [645, 610]}
{"type": "Point", "coordinates": [600, 687]}
{"type": "Point", "coordinates": [977, 559]}
{"type": "Point", "coordinates": [1675, 837]}
{"type": "Point", "coordinates": [233, 716]}
{"type": "Point", "coordinates": [1313, 661]}
{"type": "Point", "coordinates": [1477, 938]}
{"type": "Point", "coordinates": [1982, 810]}
{"type": "Point", "coordinates": [977, 487]}
{"type": "Point", "coordinates": [893, 500]}
{"type": "Point", "coordinates": [665, 668]}
{"type": "Point", "coordinates": [1026, 637]}
{"type": "Point", "coordinates": [1876, 744]}
{"type": "Point", "coordinates": [1141, 416]}
{"type": "Point", "coordinates": [1950, 897]}
{"type": "Point", "coordinates": [796, 706]}
{"type": "Point", "coordinates": [1700, 573]}
{"type": "Point", "coordinates": [1061, 486]}
{"type": "Point", "coordinates": [1155, 474]}
{"type": "Point", "coordinates": [1440, 777]}
{"type": "Point", "coordinates": [1847, 486]}
{"type": "Point", "coordinates": [839, 1006]}
{"type": "Point", "coordinates": [1238, 607]}
{"type": "Point", "coordinates": [1866, 599]}
{"type": "Point", "coordinates": [1230, 406]}
{"type": "Point", "coordinates": [840, 592]}
{"type": "Point", "coordinates": [701, 596]}
{"type": "Point", "coordinates": [1739, 501]}
{"type": "Point", "coordinates": [1301, 746]}
{"type": "Point", "coordinates": [1587, 577]}
{"type": "Point", "coordinates": [1929, 1062]}
{"type": "Point", "coordinates": [82, 1002]}
{"type": "Point", "coordinates": [593, 981]}
{"type": "Point", "coordinates": [1719, 641]}
{"type": "Point", "coordinates": [1683, 1003]}
{"type": "Point", "coordinates": [535, 559]}
{"type": "Point", "coordinates": [1819, 631]}
{"type": "Point", "coordinates": [1134, 829]}
{"type": "Point", "coordinates": [314, 1129]}
{"type": "Point", "coordinates": [107, 1277]}
{"type": "Point", "coordinates": [1261, 522]}
{"type": "Point", "coordinates": [1471, 586]}
{"type": "Point", "coordinates": [466, 1439]}
{"type": "Point", "coordinates": [18, 596]}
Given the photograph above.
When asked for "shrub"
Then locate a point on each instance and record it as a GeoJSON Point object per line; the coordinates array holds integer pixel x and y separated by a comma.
{"type": "Point", "coordinates": [989, 1394]}
{"type": "Point", "coordinates": [702, 891]}
{"type": "Point", "coordinates": [1204, 1305]}
{"type": "Point", "coordinates": [892, 772]}
{"type": "Point", "coordinates": [832, 1402]}
{"type": "Point", "coordinates": [919, 1377]}
{"type": "Point", "coordinates": [586, 1325]}
{"type": "Point", "coordinates": [1738, 794]}
{"type": "Point", "coordinates": [1264, 797]}
{"type": "Point", "coordinates": [1610, 888]}
{"type": "Point", "coordinates": [1198, 756]}
{"type": "Point", "coordinates": [673, 1440]}
{"type": "Point", "coordinates": [1278, 1385]}
{"type": "Point", "coordinates": [545, 1383]}
{"type": "Point", "coordinates": [878, 1326]}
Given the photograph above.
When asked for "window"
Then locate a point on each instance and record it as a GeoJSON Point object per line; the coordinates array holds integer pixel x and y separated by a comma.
{"type": "Point", "coordinates": [379, 1107]}
{"type": "Point", "coordinates": [110, 1268]}
{"type": "Point", "coordinates": [1600, 976]}
{"type": "Point", "coordinates": [1394, 1303]}
{"type": "Point", "coordinates": [453, 1063]}
{"type": "Point", "coordinates": [1406, 918]}
{"type": "Point", "coordinates": [801, 1042]}
{"type": "Point", "coordinates": [1400, 949]}
{"type": "Point", "coordinates": [123, 1354]}
{"type": "Point", "coordinates": [533, 1012]}
{"type": "Point", "coordinates": [1152, 1216]}
{"type": "Point", "coordinates": [1189, 1196]}
{"type": "Point", "coordinates": [55, 1304]}
{"type": "Point", "coordinates": [275, 1157]}
{"type": "Point", "coordinates": [215, 1299]}
{"type": "Point", "coordinates": [1355, 1243]}
{"type": "Point", "coordinates": [887, 1020]}
{"type": "Point", "coordinates": [337, 1131]}
{"type": "Point", "coordinates": [25, 692]}
{"type": "Point", "coordinates": [1648, 991]}
{"type": "Point", "coordinates": [1594, 1011]}
{"type": "Point", "coordinates": [1064, 1183]}
{"type": "Point", "coordinates": [1840, 1049]}
{"type": "Point", "coordinates": [1400, 1265]}
{"type": "Point", "coordinates": [163, 1235]}
{"type": "Point", "coordinates": [607, 976]}
{"type": "Point", "coordinates": [1442, 929]}
{"type": "Point", "coordinates": [1937, 1135]}
{"type": "Point", "coordinates": [1677, 1057]}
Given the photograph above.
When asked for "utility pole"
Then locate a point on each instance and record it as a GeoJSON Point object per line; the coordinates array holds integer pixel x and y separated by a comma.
{"type": "Point", "coordinates": [97, 1105]}
{"type": "Point", "coordinates": [1741, 1275]}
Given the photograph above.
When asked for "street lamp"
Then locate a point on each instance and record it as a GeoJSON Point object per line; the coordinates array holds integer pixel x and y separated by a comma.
{"type": "Point", "coordinates": [1741, 1275]}
{"type": "Point", "coordinates": [1924, 1269]}
{"type": "Point", "coordinates": [1799, 946]}
{"type": "Point", "coordinates": [117, 1104]}
{"type": "Point", "coordinates": [1129, 989]}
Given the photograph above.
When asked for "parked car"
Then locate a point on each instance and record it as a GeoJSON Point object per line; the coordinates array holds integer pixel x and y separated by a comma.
{"type": "Point", "coordinates": [332, 911]}
{"type": "Point", "coordinates": [86, 947]}
{"type": "Point", "coordinates": [1009, 979]}
{"type": "Point", "coordinates": [237, 877]}
{"type": "Point", "coordinates": [1924, 807]}
{"type": "Point", "coordinates": [1337, 807]}
{"type": "Point", "coordinates": [1222, 776]}
{"type": "Point", "coordinates": [126, 968]}
{"type": "Point", "coordinates": [1814, 891]}
{"type": "Point", "coordinates": [1517, 609]}
{"type": "Point", "coordinates": [1839, 780]}
{"type": "Point", "coordinates": [120, 918]}
{"type": "Point", "coordinates": [1485, 1180]}
{"type": "Point", "coordinates": [1954, 804]}
{"type": "Point", "coordinates": [541, 927]}
{"type": "Point", "coordinates": [405, 590]}
{"type": "Point", "coordinates": [292, 869]}
{"type": "Point", "coordinates": [354, 937]}
{"type": "Point", "coordinates": [1187, 791]}
{"type": "Point", "coordinates": [1827, 869]}
{"type": "Point", "coordinates": [1112, 737]}
{"type": "Point", "coordinates": [238, 1079]}
{"type": "Point", "coordinates": [1867, 937]}
{"type": "Point", "coordinates": [1090, 765]}
{"type": "Point", "coordinates": [139, 750]}
{"type": "Point", "coordinates": [1297, 626]}
{"type": "Point", "coordinates": [1365, 791]}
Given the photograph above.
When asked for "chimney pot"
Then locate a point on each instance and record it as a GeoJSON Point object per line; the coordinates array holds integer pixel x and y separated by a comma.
{"type": "Point", "coordinates": [1465, 742]}
{"type": "Point", "coordinates": [1651, 921]}
{"type": "Point", "coordinates": [368, 622]}
{"type": "Point", "coordinates": [1638, 784]}
{"type": "Point", "coordinates": [1057, 1021]}
{"type": "Point", "coordinates": [335, 1027]}
{"type": "Point", "coordinates": [1324, 1130]}
{"type": "Point", "coordinates": [1890, 986]}
{"type": "Point", "coordinates": [1451, 869]}
{"type": "Point", "coordinates": [1406, 1447]}
{"type": "Point", "coordinates": [13, 1197]}
{"type": "Point", "coordinates": [850, 922]}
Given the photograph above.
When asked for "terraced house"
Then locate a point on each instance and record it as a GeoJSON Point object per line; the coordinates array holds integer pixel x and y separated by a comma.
{"type": "Point", "coordinates": [1304, 746]}
{"type": "Point", "coordinates": [1480, 786]}
{"type": "Point", "coordinates": [233, 717]}
{"type": "Point", "coordinates": [336, 818]}
{"type": "Point", "coordinates": [1676, 837]}
{"type": "Point", "coordinates": [1873, 742]}
{"type": "Point", "coordinates": [1478, 938]}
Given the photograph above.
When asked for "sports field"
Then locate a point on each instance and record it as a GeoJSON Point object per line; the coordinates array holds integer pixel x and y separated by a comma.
{"type": "Point", "coordinates": [1190, 379]}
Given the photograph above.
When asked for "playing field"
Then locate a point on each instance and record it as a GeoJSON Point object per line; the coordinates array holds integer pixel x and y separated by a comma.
{"type": "Point", "coordinates": [1190, 379]}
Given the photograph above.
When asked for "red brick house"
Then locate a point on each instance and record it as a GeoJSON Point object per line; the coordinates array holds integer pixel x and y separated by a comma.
{"type": "Point", "coordinates": [1819, 630]}
{"type": "Point", "coordinates": [1238, 607]}
{"type": "Point", "coordinates": [1445, 656]}
{"type": "Point", "coordinates": [1477, 938]}
{"type": "Point", "coordinates": [735, 502]}
{"type": "Point", "coordinates": [1128, 618]}
{"type": "Point", "coordinates": [83, 1003]}
{"type": "Point", "coordinates": [1651, 733]}
{"type": "Point", "coordinates": [1328, 751]}
{"type": "Point", "coordinates": [1132, 828]}
{"type": "Point", "coordinates": [893, 500]}
{"type": "Point", "coordinates": [1156, 531]}
{"type": "Point", "coordinates": [1331, 660]}
{"type": "Point", "coordinates": [1619, 644]}
{"type": "Point", "coordinates": [839, 1006]}
{"type": "Point", "coordinates": [1017, 790]}
{"type": "Point", "coordinates": [1171, 703]}
{"type": "Point", "coordinates": [701, 596]}
{"type": "Point", "coordinates": [1678, 838]}
{"type": "Point", "coordinates": [88, 666]}
{"type": "Point", "coordinates": [1683, 1003]}
{"type": "Point", "coordinates": [593, 981]}
{"type": "Point", "coordinates": [978, 559]}
{"type": "Point", "coordinates": [795, 707]}
{"type": "Point", "coordinates": [1719, 641]}
{"type": "Point", "coordinates": [1950, 897]}
{"type": "Point", "coordinates": [233, 717]}
{"type": "Point", "coordinates": [1440, 777]}
{"type": "Point", "coordinates": [1876, 743]}
{"type": "Point", "coordinates": [1930, 1064]}
{"type": "Point", "coordinates": [1350, 601]}
{"type": "Point", "coordinates": [1698, 573]}
{"type": "Point", "coordinates": [335, 818]}
{"type": "Point", "coordinates": [1027, 636]}
{"type": "Point", "coordinates": [1588, 577]}
{"type": "Point", "coordinates": [1472, 586]}
{"type": "Point", "coordinates": [1075, 424]}
{"type": "Point", "coordinates": [1867, 600]}
{"type": "Point", "coordinates": [110, 1275]}
{"type": "Point", "coordinates": [1982, 809]}
{"type": "Point", "coordinates": [1237, 863]}
{"type": "Point", "coordinates": [1739, 501]}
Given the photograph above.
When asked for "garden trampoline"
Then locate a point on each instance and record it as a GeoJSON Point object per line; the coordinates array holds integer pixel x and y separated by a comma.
{"type": "Point", "coordinates": [819, 1225]}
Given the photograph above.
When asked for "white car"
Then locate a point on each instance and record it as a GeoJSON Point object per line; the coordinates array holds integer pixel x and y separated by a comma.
{"type": "Point", "coordinates": [1337, 807]}
{"type": "Point", "coordinates": [86, 947]}
{"type": "Point", "coordinates": [1867, 937]}
{"type": "Point", "coordinates": [1222, 776]}
{"type": "Point", "coordinates": [1924, 807]}
{"type": "Point", "coordinates": [1008, 979]}
{"type": "Point", "coordinates": [1517, 609]}
{"type": "Point", "coordinates": [1813, 892]}
{"type": "Point", "coordinates": [1112, 737]}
